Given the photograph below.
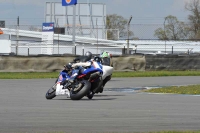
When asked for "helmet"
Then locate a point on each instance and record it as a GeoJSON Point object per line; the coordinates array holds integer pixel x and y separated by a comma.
{"type": "Point", "coordinates": [68, 66]}
{"type": "Point", "coordinates": [98, 59]}
{"type": "Point", "coordinates": [89, 55]}
{"type": "Point", "coordinates": [105, 54]}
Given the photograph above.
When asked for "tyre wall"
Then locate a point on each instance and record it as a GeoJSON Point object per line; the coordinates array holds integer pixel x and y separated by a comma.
{"type": "Point", "coordinates": [125, 63]}
{"type": "Point", "coordinates": [172, 62]}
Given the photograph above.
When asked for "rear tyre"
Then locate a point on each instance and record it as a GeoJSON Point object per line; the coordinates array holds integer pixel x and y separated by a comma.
{"type": "Point", "coordinates": [51, 93]}
{"type": "Point", "coordinates": [83, 91]}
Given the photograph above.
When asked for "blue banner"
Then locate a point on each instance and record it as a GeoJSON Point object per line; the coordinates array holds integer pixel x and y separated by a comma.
{"type": "Point", "coordinates": [48, 27]}
{"type": "Point", "coordinates": [69, 2]}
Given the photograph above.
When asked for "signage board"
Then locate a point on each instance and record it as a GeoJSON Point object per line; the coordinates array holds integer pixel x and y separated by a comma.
{"type": "Point", "coordinates": [69, 2]}
{"type": "Point", "coordinates": [47, 38]}
{"type": "Point", "coordinates": [47, 33]}
{"type": "Point", "coordinates": [5, 47]}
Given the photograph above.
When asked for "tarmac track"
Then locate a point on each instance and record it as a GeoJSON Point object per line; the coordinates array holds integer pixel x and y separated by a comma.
{"type": "Point", "coordinates": [23, 108]}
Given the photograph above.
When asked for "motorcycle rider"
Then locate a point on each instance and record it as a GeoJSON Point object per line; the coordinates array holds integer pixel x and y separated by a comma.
{"type": "Point", "coordinates": [106, 58]}
{"type": "Point", "coordinates": [86, 57]}
{"type": "Point", "coordinates": [68, 67]}
{"type": "Point", "coordinates": [82, 62]}
{"type": "Point", "coordinates": [92, 64]}
{"type": "Point", "coordinates": [105, 54]}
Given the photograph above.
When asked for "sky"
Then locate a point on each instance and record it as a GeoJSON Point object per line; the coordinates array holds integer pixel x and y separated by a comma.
{"type": "Point", "coordinates": [142, 11]}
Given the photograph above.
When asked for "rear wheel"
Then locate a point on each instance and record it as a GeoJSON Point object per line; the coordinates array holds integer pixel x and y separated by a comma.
{"type": "Point", "coordinates": [51, 93]}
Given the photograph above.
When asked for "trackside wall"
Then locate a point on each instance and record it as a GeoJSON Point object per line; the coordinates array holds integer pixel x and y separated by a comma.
{"type": "Point", "coordinates": [121, 63]}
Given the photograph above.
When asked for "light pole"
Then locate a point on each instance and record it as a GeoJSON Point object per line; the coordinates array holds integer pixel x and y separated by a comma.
{"type": "Point", "coordinates": [124, 50]}
{"type": "Point", "coordinates": [128, 34]}
{"type": "Point", "coordinates": [17, 35]}
{"type": "Point", "coordinates": [74, 24]}
{"type": "Point", "coordinates": [83, 49]}
{"type": "Point", "coordinates": [97, 33]}
{"type": "Point", "coordinates": [165, 33]}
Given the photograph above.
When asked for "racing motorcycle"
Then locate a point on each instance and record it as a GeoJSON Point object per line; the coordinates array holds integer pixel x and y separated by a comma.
{"type": "Point", "coordinates": [84, 81]}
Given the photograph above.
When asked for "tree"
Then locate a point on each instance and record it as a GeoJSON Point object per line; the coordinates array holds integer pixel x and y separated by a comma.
{"type": "Point", "coordinates": [116, 22]}
{"type": "Point", "coordinates": [160, 34]}
{"type": "Point", "coordinates": [194, 18]}
{"type": "Point", "coordinates": [173, 29]}
{"type": "Point", "coordinates": [33, 28]}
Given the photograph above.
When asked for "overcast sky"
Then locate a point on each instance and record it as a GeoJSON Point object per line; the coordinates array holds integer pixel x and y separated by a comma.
{"type": "Point", "coordinates": [143, 11]}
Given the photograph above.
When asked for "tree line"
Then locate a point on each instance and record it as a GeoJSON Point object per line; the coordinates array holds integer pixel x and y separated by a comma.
{"type": "Point", "coordinates": [173, 28]}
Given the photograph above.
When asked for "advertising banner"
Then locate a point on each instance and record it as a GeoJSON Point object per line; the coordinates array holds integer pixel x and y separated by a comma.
{"type": "Point", "coordinates": [47, 33]}
{"type": "Point", "coordinates": [47, 38]}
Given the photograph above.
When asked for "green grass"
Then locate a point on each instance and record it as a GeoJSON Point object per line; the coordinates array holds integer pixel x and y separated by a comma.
{"type": "Point", "coordinates": [155, 73]}
{"type": "Point", "coordinates": [190, 89]}
{"type": "Point", "coordinates": [27, 75]}
{"type": "Point", "coordinates": [176, 132]}
{"type": "Point", "coordinates": [39, 75]}
{"type": "Point", "coordinates": [150, 132]}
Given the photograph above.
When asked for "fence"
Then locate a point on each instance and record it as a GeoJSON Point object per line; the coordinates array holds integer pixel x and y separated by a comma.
{"type": "Point", "coordinates": [147, 38]}
{"type": "Point", "coordinates": [62, 50]}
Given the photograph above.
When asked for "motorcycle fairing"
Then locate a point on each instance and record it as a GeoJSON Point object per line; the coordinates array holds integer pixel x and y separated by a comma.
{"type": "Point", "coordinates": [94, 67]}
{"type": "Point", "coordinates": [63, 76]}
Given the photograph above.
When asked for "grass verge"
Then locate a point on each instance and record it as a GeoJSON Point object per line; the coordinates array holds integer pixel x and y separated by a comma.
{"type": "Point", "coordinates": [176, 132]}
{"type": "Point", "coordinates": [39, 75]}
{"type": "Point", "coordinates": [190, 90]}
{"type": "Point", "coordinates": [151, 132]}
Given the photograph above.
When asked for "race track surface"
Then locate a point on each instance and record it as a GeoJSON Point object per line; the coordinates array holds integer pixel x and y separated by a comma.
{"type": "Point", "coordinates": [24, 108]}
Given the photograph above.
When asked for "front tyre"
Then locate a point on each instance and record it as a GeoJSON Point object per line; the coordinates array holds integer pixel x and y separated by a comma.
{"type": "Point", "coordinates": [86, 85]}
{"type": "Point", "coordinates": [51, 93]}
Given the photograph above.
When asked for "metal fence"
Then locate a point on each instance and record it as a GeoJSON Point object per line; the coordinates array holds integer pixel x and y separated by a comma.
{"type": "Point", "coordinates": [62, 50]}
{"type": "Point", "coordinates": [147, 38]}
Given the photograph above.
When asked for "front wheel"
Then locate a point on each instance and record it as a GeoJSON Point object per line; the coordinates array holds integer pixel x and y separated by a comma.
{"type": "Point", "coordinates": [51, 93]}
{"type": "Point", "coordinates": [83, 91]}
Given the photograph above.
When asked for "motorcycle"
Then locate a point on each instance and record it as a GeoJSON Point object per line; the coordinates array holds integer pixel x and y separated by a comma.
{"type": "Point", "coordinates": [86, 82]}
